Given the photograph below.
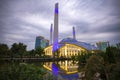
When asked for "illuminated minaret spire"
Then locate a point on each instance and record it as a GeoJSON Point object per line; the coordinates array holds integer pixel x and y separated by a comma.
{"type": "Point", "coordinates": [51, 32]}
{"type": "Point", "coordinates": [74, 36]}
{"type": "Point", "coordinates": [55, 34]}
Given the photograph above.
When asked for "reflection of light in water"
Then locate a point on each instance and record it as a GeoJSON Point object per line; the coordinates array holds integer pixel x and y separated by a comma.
{"type": "Point", "coordinates": [55, 69]}
{"type": "Point", "coordinates": [64, 67]}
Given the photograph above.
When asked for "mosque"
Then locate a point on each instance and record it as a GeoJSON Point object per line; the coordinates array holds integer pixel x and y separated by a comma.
{"type": "Point", "coordinates": [67, 47]}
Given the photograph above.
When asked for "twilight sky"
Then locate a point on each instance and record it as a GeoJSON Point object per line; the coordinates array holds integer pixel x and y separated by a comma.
{"type": "Point", "coordinates": [94, 20]}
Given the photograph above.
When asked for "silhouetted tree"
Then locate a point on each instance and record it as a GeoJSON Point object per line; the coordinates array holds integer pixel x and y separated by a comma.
{"type": "Point", "coordinates": [110, 55]}
{"type": "Point", "coordinates": [31, 53]}
{"type": "Point", "coordinates": [95, 64]}
{"type": "Point", "coordinates": [4, 50]}
{"type": "Point", "coordinates": [114, 71]}
{"type": "Point", "coordinates": [39, 51]}
{"type": "Point", "coordinates": [18, 49]}
{"type": "Point", "coordinates": [82, 58]}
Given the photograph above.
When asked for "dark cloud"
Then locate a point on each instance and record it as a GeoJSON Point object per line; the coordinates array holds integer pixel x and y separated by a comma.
{"type": "Point", "coordinates": [116, 5]}
{"type": "Point", "coordinates": [23, 20]}
{"type": "Point", "coordinates": [81, 27]}
{"type": "Point", "coordinates": [111, 28]}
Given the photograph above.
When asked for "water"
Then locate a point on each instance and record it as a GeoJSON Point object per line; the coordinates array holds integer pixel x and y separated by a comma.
{"type": "Point", "coordinates": [58, 70]}
{"type": "Point", "coordinates": [62, 70]}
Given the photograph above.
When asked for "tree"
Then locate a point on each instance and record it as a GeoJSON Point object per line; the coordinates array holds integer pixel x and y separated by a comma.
{"type": "Point", "coordinates": [82, 59]}
{"type": "Point", "coordinates": [114, 71]}
{"type": "Point", "coordinates": [116, 52]}
{"type": "Point", "coordinates": [105, 63]}
{"type": "Point", "coordinates": [31, 53]}
{"type": "Point", "coordinates": [4, 50]}
{"type": "Point", "coordinates": [109, 55]}
{"type": "Point", "coordinates": [18, 49]}
{"type": "Point", "coordinates": [95, 64]}
{"type": "Point", "coordinates": [39, 51]}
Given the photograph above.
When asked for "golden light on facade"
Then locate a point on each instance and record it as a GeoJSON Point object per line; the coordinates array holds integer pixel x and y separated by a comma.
{"type": "Point", "coordinates": [66, 67]}
{"type": "Point", "coordinates": [67, 50]}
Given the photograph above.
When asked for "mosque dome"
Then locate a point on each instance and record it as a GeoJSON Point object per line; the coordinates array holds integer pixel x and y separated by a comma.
{"type": "Point", "coordinates": [78, 43]}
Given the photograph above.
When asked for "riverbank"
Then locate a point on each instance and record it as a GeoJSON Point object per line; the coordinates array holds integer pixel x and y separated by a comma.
{"type": "Point", "coordinates": [32, 59]}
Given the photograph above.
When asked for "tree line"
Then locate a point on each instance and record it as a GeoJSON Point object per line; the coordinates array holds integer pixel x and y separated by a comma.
{"type": "Point", "coordinates": [19, 50]}
{"type": "Point", "coordinates": [105, 65]}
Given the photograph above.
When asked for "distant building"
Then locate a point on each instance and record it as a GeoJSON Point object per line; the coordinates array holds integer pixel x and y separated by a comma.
{"type": "Point", "coordinates": [41, 42]}
{"type": "Point", "coordinates": [118, 45]}
{"type": "Point", "coordinates": [102, 45]}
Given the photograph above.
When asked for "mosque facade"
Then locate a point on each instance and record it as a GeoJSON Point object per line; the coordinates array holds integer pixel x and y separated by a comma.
{"type": "Point", "coordinates": [67, 47]}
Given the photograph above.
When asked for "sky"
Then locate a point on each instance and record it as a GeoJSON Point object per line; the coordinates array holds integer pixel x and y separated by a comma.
{"type": "Point", "coordinates": [94, 20]}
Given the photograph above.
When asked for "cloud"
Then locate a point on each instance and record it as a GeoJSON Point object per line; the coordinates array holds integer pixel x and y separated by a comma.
{"type": "Point", "coordinates": [23, 20]}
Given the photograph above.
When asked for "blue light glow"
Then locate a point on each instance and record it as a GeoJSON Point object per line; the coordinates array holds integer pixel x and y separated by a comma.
{"type": "Point", "coordinates": [56, 8]}
{"type": "Point", "coordinates": [55, 46]}
{"type": "Point", "coordinates": [55, 69]}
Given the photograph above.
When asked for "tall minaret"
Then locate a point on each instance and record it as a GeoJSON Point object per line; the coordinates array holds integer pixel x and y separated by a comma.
{"type": "Point", "coordinates": [74, 36]}
{"type": "Point", "coordinates": [51, 32]}
{"type": "Point", "coordinates": [55, 35]}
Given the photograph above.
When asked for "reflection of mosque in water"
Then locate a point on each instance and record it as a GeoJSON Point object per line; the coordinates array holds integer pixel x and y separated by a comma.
{"type": "Point", "coordinates": [66, 67]}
